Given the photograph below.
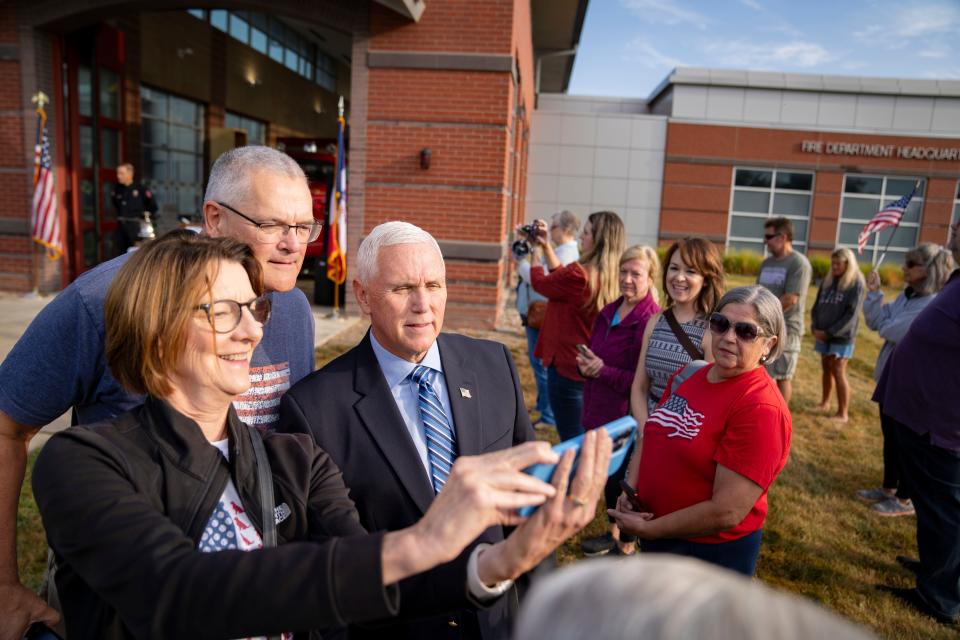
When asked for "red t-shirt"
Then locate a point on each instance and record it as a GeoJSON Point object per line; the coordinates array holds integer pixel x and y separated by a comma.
{"type": "Point", "coordinates": [741, 423]}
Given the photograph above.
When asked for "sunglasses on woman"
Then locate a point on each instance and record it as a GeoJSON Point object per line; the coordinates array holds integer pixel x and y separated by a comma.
{"type": "Point", "coordinates": [224, 315]}
{"type": "Point", "coordinates": [745, 331]}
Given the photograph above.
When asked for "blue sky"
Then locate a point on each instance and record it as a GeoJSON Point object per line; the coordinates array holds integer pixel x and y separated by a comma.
{"type": "Point", "coordinates": [629, 46]}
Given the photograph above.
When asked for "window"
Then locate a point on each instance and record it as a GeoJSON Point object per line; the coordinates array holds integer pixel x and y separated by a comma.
{"type": "Point", "coordinates": [273, 38]}
{"type": "Point", "coordinates": [956, 206]}
{"type": "Point", "coordinates": [256, 130]}
{"type": "Point", "coordinates": [759, 194]}
{"type": "Point", "coordinates": [172, 146]}
{"type": "Point", "coordinates": [863, 197]}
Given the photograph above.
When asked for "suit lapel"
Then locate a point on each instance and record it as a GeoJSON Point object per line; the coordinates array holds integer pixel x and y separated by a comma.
{"type": "Point", "coordinates": [464, 401]}
{"type": "Point", "coordinates": [378, 412]}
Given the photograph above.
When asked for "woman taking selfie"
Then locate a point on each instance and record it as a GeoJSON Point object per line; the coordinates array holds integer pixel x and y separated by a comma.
{"type": "Point", "coordinates": [178, 520]}
{"type": "Point", "coordinates": [577, 292]}
{"type": "Point", "coordinates": [714, 445]}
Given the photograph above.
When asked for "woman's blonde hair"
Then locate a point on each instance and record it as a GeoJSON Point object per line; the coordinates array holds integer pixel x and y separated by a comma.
{"type": "Point", "coordinates": [851, 273]}
{"type": "Point", "coordinates": [649, 255]}
{"type": "Point", "coordinates": [153, 299]}
{"type": "Point", "coordinates": [702, 255]}
{"type": "Point", "coordinates": [602, 261]}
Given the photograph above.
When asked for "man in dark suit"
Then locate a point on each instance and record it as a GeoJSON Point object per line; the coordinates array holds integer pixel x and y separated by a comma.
{"type": "Point", "coordinates": [395, 435]}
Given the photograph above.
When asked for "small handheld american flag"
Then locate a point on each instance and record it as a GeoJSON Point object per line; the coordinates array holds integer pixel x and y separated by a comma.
{"type": "Point", "coordinates": [889, 216]}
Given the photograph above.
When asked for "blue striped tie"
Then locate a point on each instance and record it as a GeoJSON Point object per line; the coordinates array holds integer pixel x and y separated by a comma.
{"type": "Point", "coordinates": [441, 442]}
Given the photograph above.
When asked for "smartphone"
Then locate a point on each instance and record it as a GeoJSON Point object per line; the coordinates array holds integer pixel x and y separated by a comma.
{"type": "Point", "coordinates": [40, 631]}
{"type": "Point", "coordinates": [582, 348]}
{"type": "Point", "coordinates": [622, 431]}
{"type": "Point", "coordinates": [631, 494]}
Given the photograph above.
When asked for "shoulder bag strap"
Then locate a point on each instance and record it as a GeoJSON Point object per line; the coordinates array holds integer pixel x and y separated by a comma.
{"type": "Point", "coordinates": [682, 336]}
{"type": "Point", "coordinates": [265, 482]}
{"type": "Point", "coordinates": [688, 370]}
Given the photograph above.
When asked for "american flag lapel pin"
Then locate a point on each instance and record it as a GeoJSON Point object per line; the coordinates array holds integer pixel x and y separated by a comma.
{"type": "Point", "coordinates": [465, 393]}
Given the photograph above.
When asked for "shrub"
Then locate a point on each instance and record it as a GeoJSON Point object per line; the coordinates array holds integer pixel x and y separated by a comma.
{"type": "Point", "coordinates": [821, 267]}
{"type": "Point", "coordinates": [743, 262]}
{"type": "Point", "coordinates": [891, 275]}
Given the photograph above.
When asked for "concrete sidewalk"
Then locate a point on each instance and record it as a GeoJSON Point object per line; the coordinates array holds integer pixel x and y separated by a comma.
{"type": "Point", "coordinates": [16, 313]}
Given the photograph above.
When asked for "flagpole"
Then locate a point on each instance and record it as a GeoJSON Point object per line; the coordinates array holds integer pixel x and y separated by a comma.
{"type": "Point", "coordinates": [335, 314]}
{"type": "Point", "coordinates": [883, 255]}
{"type": "Point", "coordinates": [40, 98]}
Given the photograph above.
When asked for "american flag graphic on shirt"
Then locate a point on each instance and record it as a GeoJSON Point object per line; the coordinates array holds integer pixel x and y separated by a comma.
{"type": "Point", "coordinates": [260, 404]}
{"type": "Point", "coordinates": [677, 415]}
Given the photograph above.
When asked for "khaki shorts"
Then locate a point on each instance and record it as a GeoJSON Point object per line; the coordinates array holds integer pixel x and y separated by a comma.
{"type": "Point", "coordinates": [785, 366]}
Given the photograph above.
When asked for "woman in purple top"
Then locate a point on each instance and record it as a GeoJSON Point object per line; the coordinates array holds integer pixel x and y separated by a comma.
{"type": "Point", "coordinates": [610, 362]}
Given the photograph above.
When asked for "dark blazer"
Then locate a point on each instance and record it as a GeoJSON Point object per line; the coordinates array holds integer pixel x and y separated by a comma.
{"type": "Point", "coordinates": [348, 408]}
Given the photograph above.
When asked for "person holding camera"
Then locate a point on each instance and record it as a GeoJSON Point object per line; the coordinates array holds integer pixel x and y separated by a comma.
{"type": "Point", "coordinates": [532, 306]}
{"type": "Point", "coordinates": [576, 292]}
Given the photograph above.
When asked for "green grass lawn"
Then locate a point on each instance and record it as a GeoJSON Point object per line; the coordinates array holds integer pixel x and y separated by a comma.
{"type": "Point", "coordinates": [819, 540]}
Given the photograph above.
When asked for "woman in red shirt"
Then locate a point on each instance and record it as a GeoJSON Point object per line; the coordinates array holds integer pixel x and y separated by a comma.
{"type": "Point", "coordinates": [575, 295]}
{"type": "Point", "coordinates": [715, 443]}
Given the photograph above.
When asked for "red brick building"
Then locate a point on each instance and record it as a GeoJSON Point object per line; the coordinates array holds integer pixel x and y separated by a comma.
{"type": "Point", "coordinates": [451, 80]}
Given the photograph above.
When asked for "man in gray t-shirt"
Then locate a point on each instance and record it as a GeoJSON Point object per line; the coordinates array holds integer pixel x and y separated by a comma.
{"type": "Point", "coordinates": [787, 274]}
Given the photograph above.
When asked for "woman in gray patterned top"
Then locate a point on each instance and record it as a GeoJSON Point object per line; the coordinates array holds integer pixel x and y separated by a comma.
{"type": "Point", "coordinates": [693, 283]}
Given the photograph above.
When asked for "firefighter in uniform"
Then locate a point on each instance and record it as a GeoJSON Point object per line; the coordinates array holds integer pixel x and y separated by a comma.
{"type": "Point", "coordinates": [134, 204]}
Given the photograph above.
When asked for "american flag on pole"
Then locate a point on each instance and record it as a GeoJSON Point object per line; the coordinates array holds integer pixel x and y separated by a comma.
{"type": "Point", "coordinates": [43, 213]}
{"type": "Point", "coordinates": [337, 227]}
{"type": "Point", "coordinates": [677, 415]}
{"type": "Point", "coordinates": [889, 216]}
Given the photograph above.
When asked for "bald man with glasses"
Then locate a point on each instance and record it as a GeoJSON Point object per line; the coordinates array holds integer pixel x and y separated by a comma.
{"type": "Point", "coordinates": [256, 195]}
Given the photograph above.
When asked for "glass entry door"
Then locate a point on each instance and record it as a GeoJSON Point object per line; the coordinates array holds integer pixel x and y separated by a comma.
{"type": "Point", "coordinates": [95, 121]}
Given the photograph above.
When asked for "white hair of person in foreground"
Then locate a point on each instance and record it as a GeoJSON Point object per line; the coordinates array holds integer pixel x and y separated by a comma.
{"type": "Point", "coordinates": [664, 597]}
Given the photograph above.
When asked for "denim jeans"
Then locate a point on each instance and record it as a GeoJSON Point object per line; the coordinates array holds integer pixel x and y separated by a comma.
{"type": "Point", "coordinates": [738, 555]}
{"type": "Point", "coordinates": [566, 398]}
{"type": "Point", "coordinates": [934, 474]}
{"type": "Point", "coordinates": [540, 375]}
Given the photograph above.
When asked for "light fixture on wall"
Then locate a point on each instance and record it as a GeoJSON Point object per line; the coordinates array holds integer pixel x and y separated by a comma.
{"type": "Point", "coordinates": [183, 52]}
{"type": "Point", "coordinates": [318, 106]}
{"type": "Point", "coordinates": [250, 76]}
{"type": "Point", "coordinates": [425, 156]}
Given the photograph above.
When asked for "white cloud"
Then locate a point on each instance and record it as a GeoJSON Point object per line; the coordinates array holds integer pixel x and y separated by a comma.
{"type": "Point", "coordinates": [753, 4]}
{"type": "Point", "coordinates": [936, 52]}
{"type": "Point", "coordinates": [943, 74]}
{"type": "Point", "coordinates": [641, 51]}
{"type": "Point", "coordinates": [749, 55]}
{"type": "Point", "coordinates": [916, 21]}
{"type": "Point", "coordinates": [666, 12]}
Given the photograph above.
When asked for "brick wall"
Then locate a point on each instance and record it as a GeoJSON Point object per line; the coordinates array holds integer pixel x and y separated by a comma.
{"type": "Point", "coordinates": [473, 190]}
{"type": "Point", "coordinates": [698, 174]}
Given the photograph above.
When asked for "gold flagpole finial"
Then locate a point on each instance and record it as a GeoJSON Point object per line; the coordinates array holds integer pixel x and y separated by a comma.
{"type": "Point", "coordinates": [40, 99]}
{"type": "Point", "coordinates": [340, 106]}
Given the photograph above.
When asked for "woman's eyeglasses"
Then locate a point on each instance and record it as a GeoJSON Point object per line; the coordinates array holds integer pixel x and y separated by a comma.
{"type": "Point", "coordinates": [745, 331]}
{"type": "Point", "coordinates": [224, 315]}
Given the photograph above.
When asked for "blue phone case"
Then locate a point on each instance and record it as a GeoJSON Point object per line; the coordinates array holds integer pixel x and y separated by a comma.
{"type": "Point", "coordinates": [622, 431]}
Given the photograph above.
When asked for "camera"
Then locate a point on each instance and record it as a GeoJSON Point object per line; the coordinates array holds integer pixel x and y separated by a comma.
{"type": "Point", "coordinates": [521, 248]}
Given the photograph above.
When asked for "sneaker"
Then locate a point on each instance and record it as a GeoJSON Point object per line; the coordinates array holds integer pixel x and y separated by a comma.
{"type": "Point", "coordinates": [891, 507]}
{"type": "Point", "coordinates": [873, 495]}
{"type": "Point", "coordinates": [601, 545]}
{"type": "Point", "coordinates": [617, 551]}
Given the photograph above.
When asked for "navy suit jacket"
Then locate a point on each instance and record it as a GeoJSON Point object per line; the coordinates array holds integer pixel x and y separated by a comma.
{"type": "Point", "coordinates": [348, 408]}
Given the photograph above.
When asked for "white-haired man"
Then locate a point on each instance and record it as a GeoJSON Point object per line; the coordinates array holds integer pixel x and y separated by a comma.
{"type": "Point", "coordinates": [256, 195]}
{"type": "Point", "coordinates": [396, 410]}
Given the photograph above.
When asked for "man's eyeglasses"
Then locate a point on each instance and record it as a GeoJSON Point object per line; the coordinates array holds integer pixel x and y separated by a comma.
{"type": "Point", "coordinates": [770, 236]}
{"type": "Point", "coordinates": [273, 231]}
{"type": "Point", "coordinates": [745, 331]}
{"type": "Point", "coordinates": [224, 315]}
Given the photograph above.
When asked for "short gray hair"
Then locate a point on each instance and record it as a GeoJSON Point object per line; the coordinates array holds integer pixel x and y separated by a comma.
{"type": "Point", "coordinates": [387, 235]}
{"type": "Point", "coordinates": [663, 597]}
{"type": "Point", "coordinates": [766, 307]}
{"type": "Point", "coordinates": [938, 263]}
{"type": "Point", "coordinates": [566, 220]}
{"type": "Point", "coordinates": [231, 174]}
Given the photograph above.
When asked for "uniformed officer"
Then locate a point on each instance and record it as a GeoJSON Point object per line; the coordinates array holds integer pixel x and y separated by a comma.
{"type": "Point", "coordinates": [134, 204]}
